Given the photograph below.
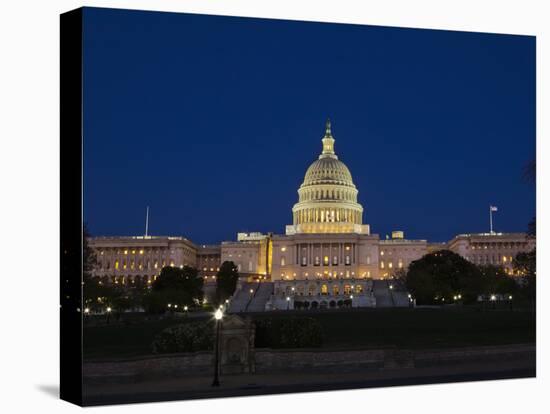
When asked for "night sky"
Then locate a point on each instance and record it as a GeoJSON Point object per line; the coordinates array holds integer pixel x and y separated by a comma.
{"type": "Point", "coordinates": [213, 121]}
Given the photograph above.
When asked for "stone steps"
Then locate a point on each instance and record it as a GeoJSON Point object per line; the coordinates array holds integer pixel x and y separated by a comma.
{"type": "Point", "coordinates": [264, 292]}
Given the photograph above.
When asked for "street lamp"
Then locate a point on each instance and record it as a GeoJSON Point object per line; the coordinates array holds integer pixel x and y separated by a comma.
{"type": "Point", "coordinates": [288, 302]}
{"type": "Point", "coordinates": [108, 313]}
{"type": "Point", "coordinates": [218, 315]}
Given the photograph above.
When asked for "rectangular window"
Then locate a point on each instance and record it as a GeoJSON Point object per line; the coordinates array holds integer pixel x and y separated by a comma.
{"type": "Point", "coordinates": [304, 261]}
{"type": "Point", "coordinates": [348, 260]}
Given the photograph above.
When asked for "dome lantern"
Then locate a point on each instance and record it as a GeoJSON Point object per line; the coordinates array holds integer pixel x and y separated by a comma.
{"type": "Point", "coordinates": [328, 143]}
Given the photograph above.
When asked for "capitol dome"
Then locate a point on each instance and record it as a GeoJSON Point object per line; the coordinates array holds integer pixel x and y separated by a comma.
{"type": "Point", "coordinates": [327, 200]}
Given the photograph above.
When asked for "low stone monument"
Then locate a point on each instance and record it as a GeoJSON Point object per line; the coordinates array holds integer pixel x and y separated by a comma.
{"type": "Point", "coordinates": [236, 345]}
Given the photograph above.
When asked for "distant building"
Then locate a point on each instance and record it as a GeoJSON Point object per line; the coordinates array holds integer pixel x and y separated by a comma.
{"type": "Point", "coordinates": [326, 256]}
{"type": "Point", "coordinates": [498, 249]}
{"type": "Point", "coordinates": [127, 260]}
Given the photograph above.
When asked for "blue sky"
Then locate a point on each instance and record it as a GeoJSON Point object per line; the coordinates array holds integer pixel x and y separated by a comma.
{"type": "Point", "coordinates": [212, 122]}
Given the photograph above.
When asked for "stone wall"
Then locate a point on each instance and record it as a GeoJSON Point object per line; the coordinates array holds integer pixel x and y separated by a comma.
{"type": "Point", "coordinates": [292, 360]}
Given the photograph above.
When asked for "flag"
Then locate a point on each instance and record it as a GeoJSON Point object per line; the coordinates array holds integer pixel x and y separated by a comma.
{"type": "Point", "coordinates": [493, 208]}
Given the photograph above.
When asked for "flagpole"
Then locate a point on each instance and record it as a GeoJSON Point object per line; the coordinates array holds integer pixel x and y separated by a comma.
{"type": "Point", "coordinates": [147, 222]}
{"type": "Point", "coordinates": [491, 218]}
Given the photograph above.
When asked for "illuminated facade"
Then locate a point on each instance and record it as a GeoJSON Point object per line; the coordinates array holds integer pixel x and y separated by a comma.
{"type": "Point", "coordinates": [139, 259]}
{"type": "Point", "coordinates": [326, 256]}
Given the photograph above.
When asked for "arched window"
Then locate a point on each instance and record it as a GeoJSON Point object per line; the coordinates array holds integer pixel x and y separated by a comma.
{"type": "Point", "coordinates": [283, 261]}
{"type": "Point", "coordinates": [335, 290]}
{"type": "Point", "coordinates": [347, 289]}
{"type": "Point", "coordinates": [311, 290]}
{"type": "Point", "coordinates": [324, 290]}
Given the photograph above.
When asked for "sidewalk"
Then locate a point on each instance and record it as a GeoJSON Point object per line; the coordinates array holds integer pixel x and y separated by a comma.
{"type": "Point", "coordinates": [256, 384]}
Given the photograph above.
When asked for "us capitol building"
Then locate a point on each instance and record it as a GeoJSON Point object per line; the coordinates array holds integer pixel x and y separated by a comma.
{"type": "Point", "coordinates": [326, 258]}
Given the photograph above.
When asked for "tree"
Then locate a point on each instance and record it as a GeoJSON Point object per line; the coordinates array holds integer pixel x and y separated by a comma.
{"type": "Point", "coordinates": [441, 275]}
{"type": "Point", "coordinates": [89, 258]}
{"type": "Point", "coordinates": [182, 287]}
{"type": "Point", "coordinates": [226, 281]}
{"type": "Point", "coordinates": [94, 291]}
{"type": "Point", "coordinates": [525, 266]}
{"type": "Point", "coordinates": [497, 281]}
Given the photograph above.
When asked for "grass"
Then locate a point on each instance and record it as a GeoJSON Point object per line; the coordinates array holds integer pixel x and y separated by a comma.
{"type": "Point", "coordinates": [372, 328]}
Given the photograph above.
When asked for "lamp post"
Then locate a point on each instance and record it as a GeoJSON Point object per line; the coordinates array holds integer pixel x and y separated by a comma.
{"type": "Point", "coordinates": [108, 313]}
{"type": "Point", "coordinates": [287, 302]}
{"type": "Point", "coordinates": [218, 315]}
{"type": "Point", "coordinates": [511, 303]}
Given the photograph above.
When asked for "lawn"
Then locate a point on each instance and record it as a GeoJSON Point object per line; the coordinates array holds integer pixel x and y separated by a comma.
{"type": "Point", "coordinates": [354, 328]}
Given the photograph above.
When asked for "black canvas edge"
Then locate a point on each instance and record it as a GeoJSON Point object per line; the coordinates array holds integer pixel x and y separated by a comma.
{"type": "Point", "coordinates": [71, 224]}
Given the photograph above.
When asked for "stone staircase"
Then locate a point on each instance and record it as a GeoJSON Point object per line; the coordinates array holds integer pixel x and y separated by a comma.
{"type": "Point", "coordinates": [397, 297]}
{"type": "Point", "coordinates": [241, 297]}
{"type": "Point", "coordinates": [382, 294]}
{"type": "Point", "coordinates": [262, 295]}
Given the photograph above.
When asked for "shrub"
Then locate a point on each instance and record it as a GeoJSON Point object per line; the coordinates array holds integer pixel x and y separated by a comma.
{"type": "Point", "coordinates": [188, 337]}
{"type": "Point", "coordinates": [293, 332]}
{"type": "Point", "coordinates": [301, 333]}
